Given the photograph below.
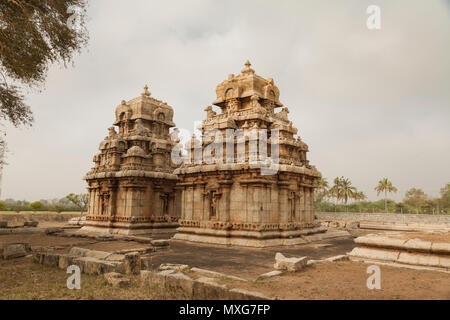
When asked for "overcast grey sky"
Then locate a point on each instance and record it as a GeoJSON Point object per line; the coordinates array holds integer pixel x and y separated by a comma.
{"type": "Point", "coordinates": [369, 104]}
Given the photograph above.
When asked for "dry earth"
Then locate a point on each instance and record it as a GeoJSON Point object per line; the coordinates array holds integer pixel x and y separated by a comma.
{"type": "Point", "coordinates": [23, 279]}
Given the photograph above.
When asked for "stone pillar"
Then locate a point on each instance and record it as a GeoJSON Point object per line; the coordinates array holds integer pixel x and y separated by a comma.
{"type": "Point", "coordinates": [258, 204]}
{"type": "Point", "coordinates": [303, 217]}
{"type": "Point", "coordinates": [283, 201]}
{"type": "Point", "coordinates": [112, 202]}
{"type": "Point", "coordinates": [307, 204]}
{"type": "Point", "coordinates": [189, 202]}
{"type": "Point", "coordinates": [311, 204]}
{"type": "Point", "coordinates": [273, 205]}
{"type": "Point", "coordinates": [197, 211]}
{"type": "Point", "coordinates": [224, 208]}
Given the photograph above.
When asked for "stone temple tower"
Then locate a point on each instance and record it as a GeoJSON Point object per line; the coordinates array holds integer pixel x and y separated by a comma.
{"type": "Point", "coordinates": [234, 199]}
{"type": "Point", "coordinates": [132, 185]}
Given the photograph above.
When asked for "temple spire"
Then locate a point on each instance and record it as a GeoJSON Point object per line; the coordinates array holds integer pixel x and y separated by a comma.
{"type": "Point", "coordinates": [146, 92]}
{"type": "Point", "coordinates": [247, 69]}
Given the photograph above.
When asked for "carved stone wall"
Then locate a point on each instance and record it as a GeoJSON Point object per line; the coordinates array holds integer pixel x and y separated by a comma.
{"type": "Point", "coordinates": [235, 203]}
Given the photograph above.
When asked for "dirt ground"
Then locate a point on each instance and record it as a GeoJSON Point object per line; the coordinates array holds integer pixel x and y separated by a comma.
{"type": "Point", "coordinates": [347, 281]}
{"type": "Point", "coordinates": [23, 279]}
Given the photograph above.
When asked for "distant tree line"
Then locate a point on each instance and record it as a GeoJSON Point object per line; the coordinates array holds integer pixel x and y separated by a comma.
{"type": "Point", "coordinates": [72, 202]}
{"type": "Point", "coordinates": [336, 198]}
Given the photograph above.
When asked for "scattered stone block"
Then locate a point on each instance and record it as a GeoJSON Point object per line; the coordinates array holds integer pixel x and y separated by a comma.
{"type": "Point", "coordinates": [115, 257]}
{"type": "Point", "coordinates": [352, 225]}
{"type": "Point", "coordinates": [32, 224]}
{"type": "Point", "coordinates": [161, 242]}
{"type": "Point", "coordinates": [45, 258]}
{"type": "Point", "coordinates": [66, 260]}
{"type": "Point", "coordinates": [116, 279]}
{"type": "Point", "coordinates": [216, 274]}
{"type": "Point", "coordinates": [241, 294]}
{"type": "Point", "coordinates": [132, 263]}
{"type": "Point", "coordinates": [94, 266]}
{"type": "Point", "coordinates": [102, 255]}
{"type": "Point", "coordinates": [103, 237]}
{"type": "Point", "coordinates": [166, 272]}
{"type": "Point", "coordinates": [139, 239]}
{"type": "Point", "coordinates": [342, 257]}
{"type": "Point", "coordinates": [81, 252]}
{"type": "Point", "coordinates": [53, 230]}
{"type": "Point", "coordinates": [289, 264]}
{"type": "Point", "coordinates": [311, 262]}
{"type": "Point", "coordinates": [333, 224]}
{"type": "Point", "coordinates": [173, 266]}
{"type": "Point", "coordinates": [207, 288]}
{"type": "Point", "coordinates": [37, 248]}
{"type": "Point", "coordinates": [270, 274]}
{"type": "Point", "coordinates": [179, 282]}
{"type": "Point", "coordinates": [13, 250]}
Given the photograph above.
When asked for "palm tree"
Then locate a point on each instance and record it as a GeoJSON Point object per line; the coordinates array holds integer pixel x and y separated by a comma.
{"type": "Point", "coordinates": [321, 185]}
{"type": "Point", "coordinates": [347, 190]}
{"type": "Point", "coordinates": [360, 196]}
{"type": "Point", "coordinates": [335, 190]}
{"type": "Point", "coordinates": [384, 185]}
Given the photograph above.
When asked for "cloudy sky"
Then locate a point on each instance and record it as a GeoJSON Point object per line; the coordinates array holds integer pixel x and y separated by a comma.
{"type": "Point", "coordinates": [369, 103]}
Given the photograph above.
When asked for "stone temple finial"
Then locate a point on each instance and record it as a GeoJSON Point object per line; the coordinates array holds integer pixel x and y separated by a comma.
{"type": "Point", "coordinates": [146, 92]}
{"type": "Point", "coordinates": [247, 69]}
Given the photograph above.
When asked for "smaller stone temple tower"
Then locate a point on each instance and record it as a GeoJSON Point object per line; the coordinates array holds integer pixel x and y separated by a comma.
{"type": "Point", "coordinates": [132, 185]}
{"type": "Point", "coordinates": [236, 199]}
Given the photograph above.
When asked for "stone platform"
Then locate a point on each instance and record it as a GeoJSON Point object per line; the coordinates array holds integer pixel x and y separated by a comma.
{"type": "Point", "coordinates": [246, 238]}
{"type": "Point", "coordinates": [132, 230]}
{"type": "Point", "coordinates": [432, 252]}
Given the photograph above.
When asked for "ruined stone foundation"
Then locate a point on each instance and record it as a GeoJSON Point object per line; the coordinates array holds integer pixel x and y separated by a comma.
{"type": "Point", "coordinates": [241, 203]}
{"type": "Point", "coordinates": [132, 185]}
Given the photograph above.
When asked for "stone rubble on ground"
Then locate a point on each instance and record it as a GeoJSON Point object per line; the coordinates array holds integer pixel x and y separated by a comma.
{"type": "Point", "coordinates": [14, 250]}
{"type": "Point", "coordinates": [289, 264]}
{"type": "Point", "coordinates": [202, 288]}
{"type": "Point", "coordinates": [173, 266]}
{"type": "Point", "coordinates": [33, 224]}
{"type": "Point", "coordinates": [116, 279]}
{"type": "Point", "coordinates": [270, 274]}
{"type": "Point", "coordinates": [91, 261]}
